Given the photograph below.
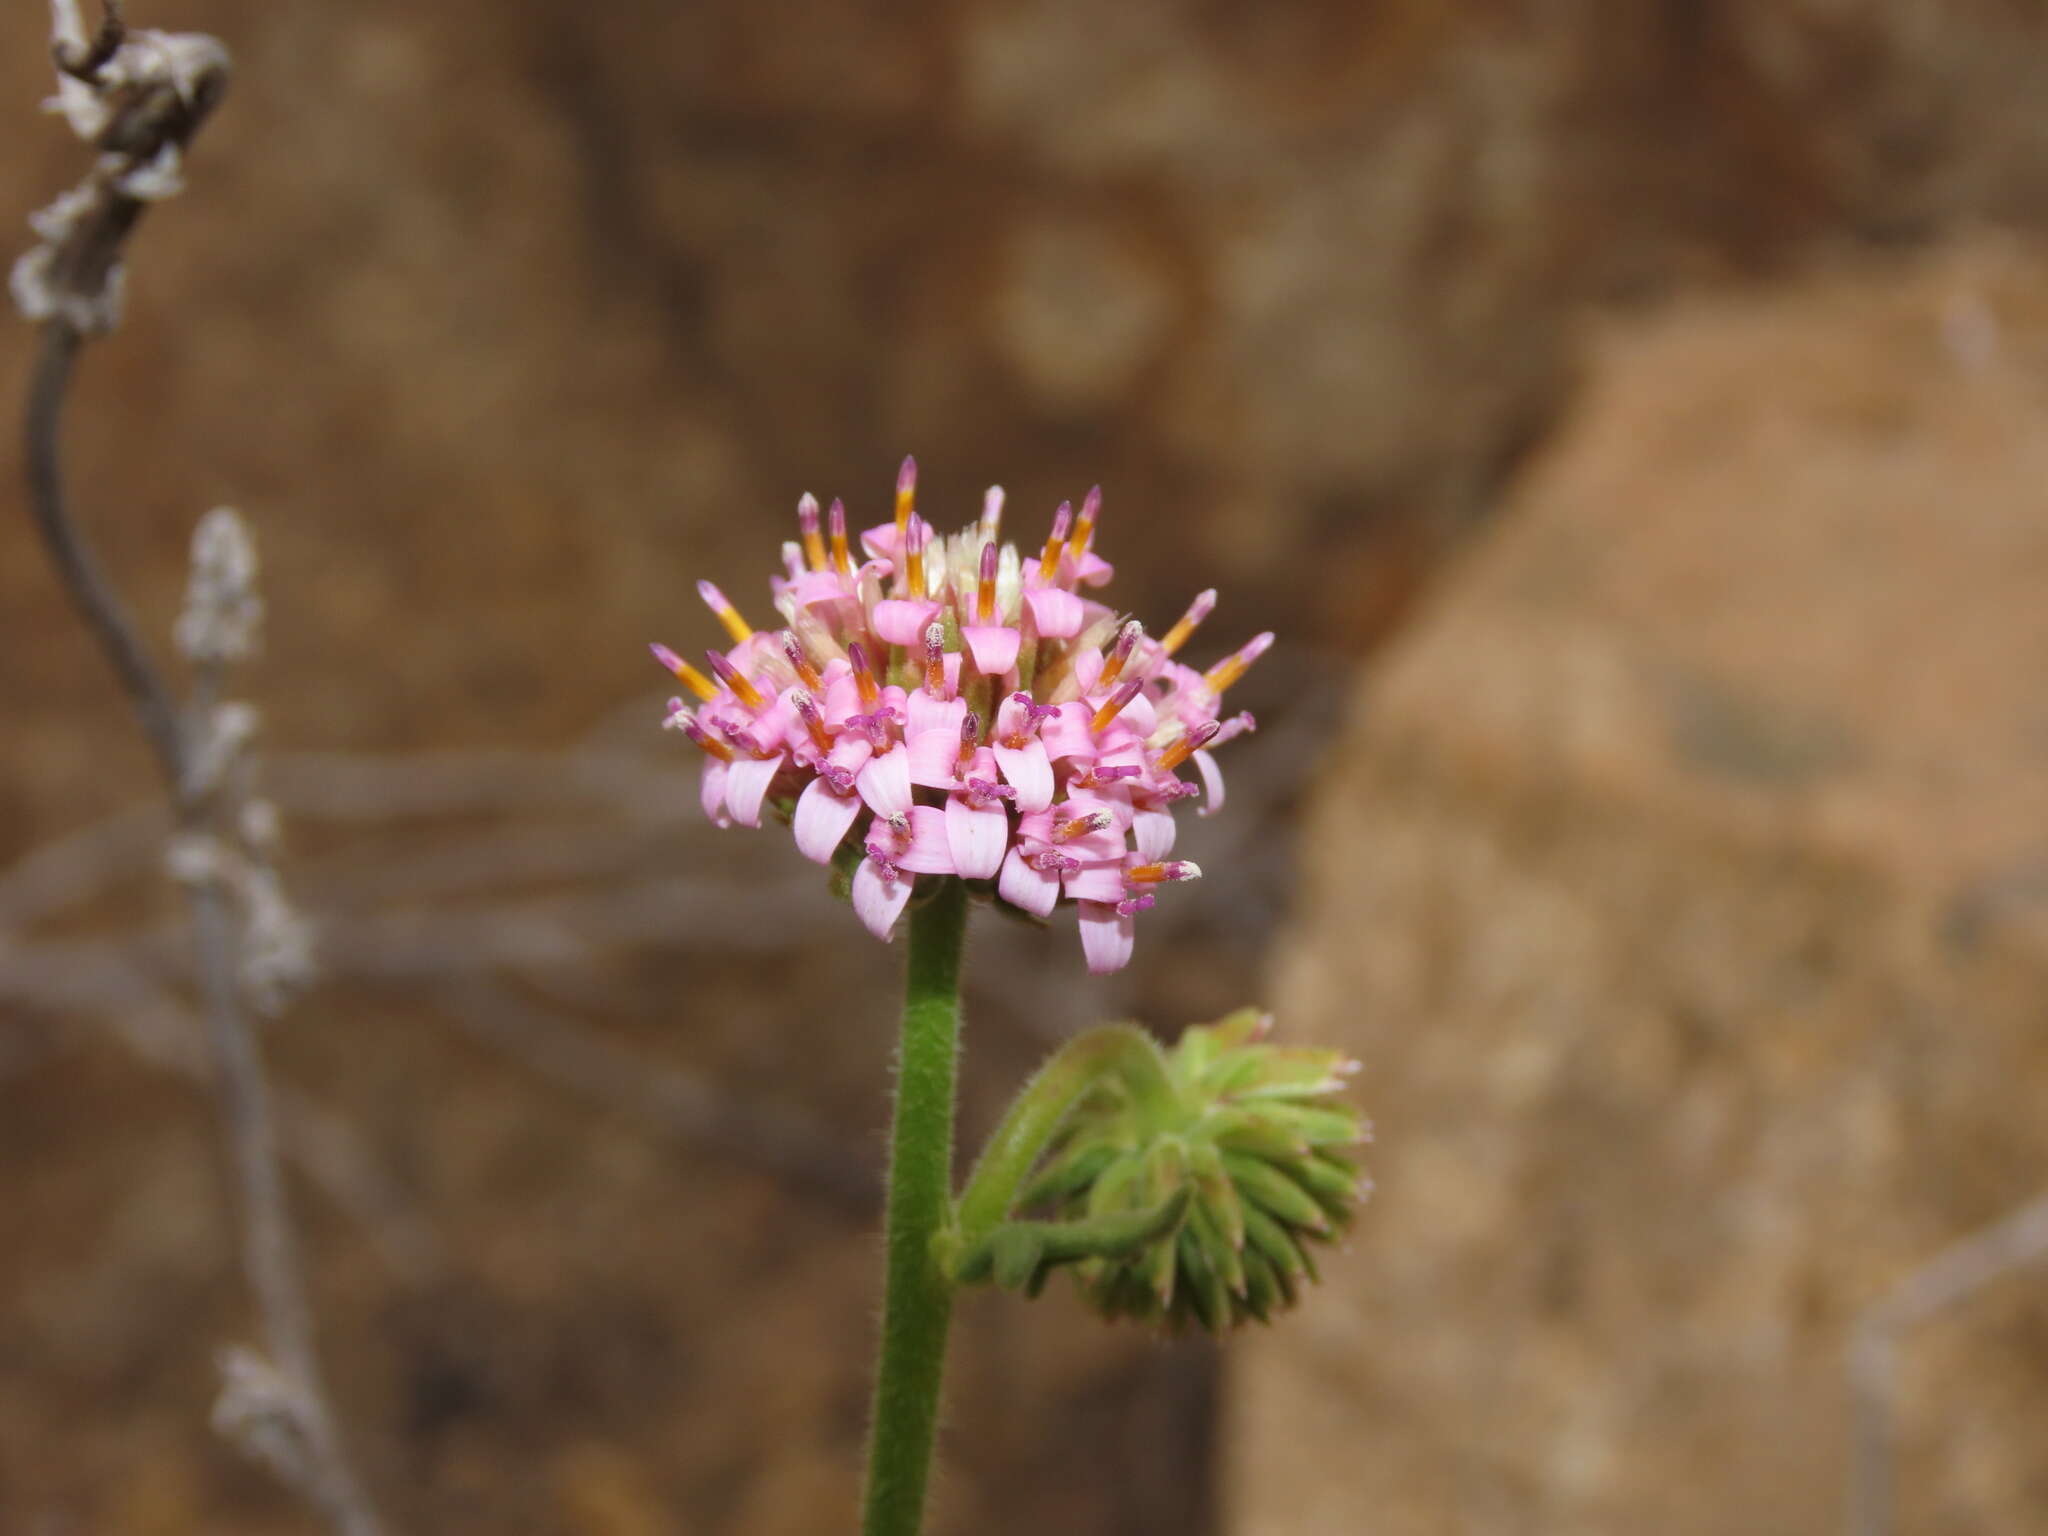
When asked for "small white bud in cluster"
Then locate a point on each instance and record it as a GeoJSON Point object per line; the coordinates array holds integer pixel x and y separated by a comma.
{"type": "Point", "coordinates": [195, 858]}
{"type": "Point", "coordinates": [277, 942]}
{"type": "Point", "coordinates": [263, 1413]}
{"type": "Point", "coordinates": [36, 285]}
{"type": "Point", "coordinates": [260, 827]}
{"type": "Point", "coordinates": [217, 743]}
{"type": "Point", "coordinates": [138, 105]}
{"type": "Point", "coordinates": [274, 948]}
{"type": "Point", "coordinates": [223, 613]}
{"type": "Point", "coordinates": [145, 61]}
{"type": "Point", "coordinates": [153, 180]}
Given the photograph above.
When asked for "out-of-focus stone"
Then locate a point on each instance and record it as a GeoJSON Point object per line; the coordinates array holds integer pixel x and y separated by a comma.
{"type": "Point", "coordinates": [1681, 884]}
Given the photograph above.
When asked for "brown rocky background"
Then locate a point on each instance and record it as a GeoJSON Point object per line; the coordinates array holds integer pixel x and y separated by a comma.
{"type": "Point", "coordinates": [504, 323]}
{"type": "Point", "coordinates": [1680, 880]}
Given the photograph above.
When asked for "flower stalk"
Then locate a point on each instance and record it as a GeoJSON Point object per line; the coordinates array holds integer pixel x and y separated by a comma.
{"type": "Point", "coordinates": [918, 1303]}
{"type": "Point", "coordinates": [1039, 1112]}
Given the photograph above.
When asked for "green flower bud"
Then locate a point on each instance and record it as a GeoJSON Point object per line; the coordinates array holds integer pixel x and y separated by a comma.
{"type": "Point", "coordinates": [1186, 1186]}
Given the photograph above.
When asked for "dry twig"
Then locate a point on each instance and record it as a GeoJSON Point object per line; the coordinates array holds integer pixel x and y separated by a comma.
{"type": "Point", "coordinates": [137, 98]}
{"type": "Point", "coordinates": [1952, 1276]}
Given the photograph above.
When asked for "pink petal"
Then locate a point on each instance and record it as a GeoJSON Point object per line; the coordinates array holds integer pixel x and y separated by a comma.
{"type": "Point", "coordinates": [932, 757]}
{"type": "Point", "coordinates": [902, 620]}
{"type": "Point", "coordinates": [761, 646]}
{"type": "Point", "coordinates": [1153, 832]}
{"type": "Point", "coordinates": [711, 791]}
{"type": "Point", "coordinates": [842, 699]}
{"type": "Point", "coordinates": [1136, 718]}
{"type": "Point", "coordinates": [773, 727]}
{"type": "Point", "coordinates": [1098, 880]}
{"type": "Point", "coordinates": [926, 713]}
{"type": "Point", "coordinates": [1066, 733]}
{"type": "Point", "coordinates": [976, 838]}
{"type": "Point", "coordinates": [822, 817]}
{"type": "Point", "coordinates": [1029, 773]}
{"type": "Point", "coordinates": [850, 752]}
{"type": "Point", "coordinates": [926, 851]}
{"type": "Point", "coordinates": [746, 783]}
{"type": "Point", "coordinates": [885, 784]}
{"type": "Point", "coordinates": [1212, 781]}
{"type": "Point", "coordinates": [1093, 847]}
{"type": "Point", "coordinates": [1055, 611]}
{"type": "Point", "coordinates": [1125, 751]}
{"type": "Point", "coordinates": [1091, 570]}
{"type": "Point", "coordinates": [1011, 715]}
{"type": "Point", "coordinates": [1034, 890]}
{"type": "Point", "coordinates": [1087, 668]}
{"type": "Point", "coordinates": [994, 646]}
{"type": "Point", "coordinates": [877, 900]}
{"type": "Point", "coordinates": [1106, 937]}
{"type": "Point", "coordinates": [880, 542]}
{"type": "Point", "coordinates": [814, 587]}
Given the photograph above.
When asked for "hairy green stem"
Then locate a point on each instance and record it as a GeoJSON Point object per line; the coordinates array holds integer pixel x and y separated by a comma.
{"type": "Point", "coordinates": [1036, 1114]}
{"type": "Point", "coordinates": [918, 1304]}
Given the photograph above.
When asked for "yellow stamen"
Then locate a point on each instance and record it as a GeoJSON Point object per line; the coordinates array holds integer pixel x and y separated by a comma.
{"type": "Point", "coordinates": [814, 542]}
{"type": "Point", "coordinates": [906, 496]}
{"type": "Point", "coordinates": [1190, 621]}
{"type": "Point", "coordinates": [1056, 542]}
{"type": "Point", "coordinates": [709, 744]}
{"type": "Point", "coordinates": [806, 674]}
{"type": "Point", "coordinates": [744, 690]}
{"type": "Point", "coordinates": [1232, 667]}
{"type": "Point", "coordinates": [985, 594]}
{"type": "Point", "coordinates": [728, 615]}
{"type": "Point", "coordinates": [863, 679]}
{"type": "Point", "coordinates": [1160, 874]}
{"type": "Point", "coordinates": [1119, 654]}
{"type": "Point", "coordinates": [1114, 705]}
{"type": "Point", "coordinates": [913, 560]}
{"type": "Point", "coordinates": [842, 561]}
{"type": "Point", "coordinates": [694, 680]}
{"type": "Point", "coordinates": [1084, 525]}
{"type": "Point", "coordinates": [1185, 746]}
{"type": "Point", "coordinates": [1081, 826]}
{"type": "Point", "coordinates": [814, 723]}
{"type": "Point", "coordinates": [741, 685]}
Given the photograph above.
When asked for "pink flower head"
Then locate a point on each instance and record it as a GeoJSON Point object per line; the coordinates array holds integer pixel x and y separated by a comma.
{"type": "Point", "coordinates": [951, 706]}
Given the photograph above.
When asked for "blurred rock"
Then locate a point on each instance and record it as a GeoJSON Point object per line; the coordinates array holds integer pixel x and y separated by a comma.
{"type": "Point", "coordinates": [1682, 883]}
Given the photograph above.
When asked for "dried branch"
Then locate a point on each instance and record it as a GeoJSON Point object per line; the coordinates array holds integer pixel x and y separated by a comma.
{"type": "Point", "coordinates": [680, 1103]}
{"type": "Point", "coordinates": [138, 98]}
{"type": "Point", "coordinates": [1952, 1276]}
{"type": "Point", "coordinates": [96, 602]}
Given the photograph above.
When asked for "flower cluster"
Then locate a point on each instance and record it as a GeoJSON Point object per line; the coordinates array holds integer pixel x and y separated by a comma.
{"type": "Point", "coordinates": [944, 705]}
{"type": "Point", "coordinates": [1240, 1150]}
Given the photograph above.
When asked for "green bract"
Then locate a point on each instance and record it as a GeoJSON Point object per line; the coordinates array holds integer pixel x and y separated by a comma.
{"type": "Point", "coordinates": [1190, 1185]}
